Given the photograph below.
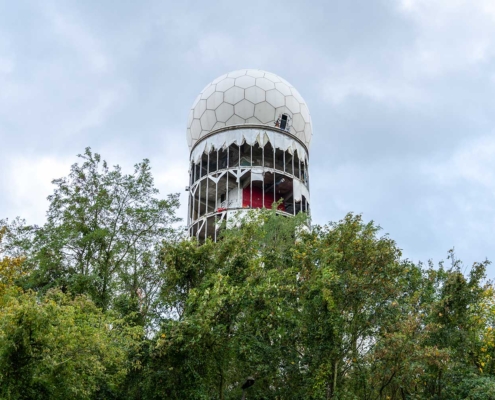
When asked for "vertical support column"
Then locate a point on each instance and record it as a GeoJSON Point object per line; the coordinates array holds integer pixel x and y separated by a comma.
{"type": "Point", "coordinates": [293, 197]}
{"type": "Point", "coordinates": [239, 194]}
{"type": "Point", "coordinates": [216, 187]}
{"type": "Point", "coordinates": [207, 197]}
{"type": "Point", "coordinates": [193, 204]}
{"type": "Point", "coordinates": [251, 180]}
{"type": "Point", "coordinates": [274, 180]}
{"type": "Point", "coordinates": [227, 184]}
{"type": "Point", "coordinates": [263, 177]}
{"type": "Point", "coordinates": [207, 184]}
{"type": "Point", "coordinates": [199, 200]}
{"type": "Point", "coordinates": [206, 228]}
{"type": "Point", "coordinates": [189, 197]}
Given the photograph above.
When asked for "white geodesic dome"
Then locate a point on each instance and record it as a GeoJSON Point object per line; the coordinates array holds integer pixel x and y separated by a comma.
{"type": "Point", "coordinates": [248, 97]}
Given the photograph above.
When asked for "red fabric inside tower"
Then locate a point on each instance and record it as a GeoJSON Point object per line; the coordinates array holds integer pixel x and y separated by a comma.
{"type": "Point", "coordinates": [258, 199]}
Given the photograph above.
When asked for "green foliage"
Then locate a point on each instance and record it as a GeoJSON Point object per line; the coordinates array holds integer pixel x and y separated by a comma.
{"type": "Point", "coordinates": [102, 237]}
{"type": "Point", "coordinates": [60, 348]}
{"type": "Point", "coordinates": [330, 312]}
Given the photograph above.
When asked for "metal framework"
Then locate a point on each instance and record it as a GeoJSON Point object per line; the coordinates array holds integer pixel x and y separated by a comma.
{"type": "Point", "coordinates": [242, 177]}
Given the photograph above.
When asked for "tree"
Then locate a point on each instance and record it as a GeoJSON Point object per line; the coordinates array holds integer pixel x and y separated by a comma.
{"type": "Point", "coordinates": [236, 313]}
{"type": "Point", "coordinates": [102, 236]}
{"type": "Point", "coordinates": [11, 268]}
{"type": "Point", "coordinates": [60, 347]}
{"type": "Point", "coordinates": [330, 312]}
{"type": "Point", "coordinates": [56, 346]}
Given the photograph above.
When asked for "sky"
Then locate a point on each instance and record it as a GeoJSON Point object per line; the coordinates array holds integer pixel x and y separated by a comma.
{"type": "Point", "coordinates": [401, 94]}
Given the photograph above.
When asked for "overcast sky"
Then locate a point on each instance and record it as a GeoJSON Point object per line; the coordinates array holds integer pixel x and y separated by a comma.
{"type": "Point", "coordinates": [401, 94]}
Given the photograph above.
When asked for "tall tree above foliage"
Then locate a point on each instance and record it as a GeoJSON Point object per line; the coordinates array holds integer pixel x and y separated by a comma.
{"type": "Point", "coordinates": [102, 235]}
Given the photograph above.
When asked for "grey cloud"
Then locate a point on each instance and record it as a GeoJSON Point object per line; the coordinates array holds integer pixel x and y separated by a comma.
{"type": "Point", "coordinates": [401, 96]}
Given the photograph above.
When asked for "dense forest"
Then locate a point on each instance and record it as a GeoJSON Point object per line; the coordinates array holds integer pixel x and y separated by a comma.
{"type": "Point", "coordinates": [110, 300]}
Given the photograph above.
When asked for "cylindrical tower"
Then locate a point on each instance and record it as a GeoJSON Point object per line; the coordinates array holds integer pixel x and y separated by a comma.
{"type": "Point", "coordinates": [249, 133]}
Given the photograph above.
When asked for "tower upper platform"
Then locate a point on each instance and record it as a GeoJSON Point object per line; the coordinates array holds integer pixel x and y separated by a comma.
{"type": "Point", "coordinates": [249, 97]}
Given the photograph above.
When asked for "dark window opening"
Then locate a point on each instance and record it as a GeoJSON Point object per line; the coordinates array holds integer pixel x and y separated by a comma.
{"type": "Point", "coordinates": [257, 155]}
{"type": "Point", "coordinates": [283, 122]}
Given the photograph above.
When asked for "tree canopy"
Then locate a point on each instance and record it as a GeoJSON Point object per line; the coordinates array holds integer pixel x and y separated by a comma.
{"type": "Point", "coordinates": [108, 299]}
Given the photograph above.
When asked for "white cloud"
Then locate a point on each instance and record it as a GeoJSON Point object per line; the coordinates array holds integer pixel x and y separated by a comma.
{"type": "Point", "coordinates": [95, 114]}
{"type": "Point", "coordinates": [6, 65]}
{"type": "Point", "coordinates": [72, 31]}
{"type": "Point", "coordinates": [449, 38]}
{"type": "Point", "coordinates": [474, 162]}
{"type": "Point", "coordinates": [28, 180]}
{"type": "Point", "coordinates": [350, 80]}
{"type": "Point", "coordinates": [452, 35]}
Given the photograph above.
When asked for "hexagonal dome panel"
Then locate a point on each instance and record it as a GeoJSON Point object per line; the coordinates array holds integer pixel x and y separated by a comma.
{"type": "Point", "coordinates": [292, 104]}
{"type": "Point", "coordinates": [244, 109]}
{"type": "Point", "coordinates": [297, 122]}
{"type": "Point", "coordinates": [196, 101]}
{"type": "Point", "coordinates": [296, 94]}
{"type": "Point", "coordinates": [255, 73]}
{"type": "Point", "coordinates": [237, 74]}
{"type": "Point", "coordinates": [255, 94]}
{"type": "Point", "coordinates": [274, 78]}
{"type": "Point", "coordinates": [245, 81]}
{"type": "Point", "coordinates": [218, 125]}
{"type": "Point", "coordinates": [225, 84]}
{"type": "Point", "coordinates": [199, 109]}
{"type": "Point", "coordinates": [265, 84]}
{"type": "Point", "coordinates": [207, 92]}
{"type": "Point", "coordinates": [208, 119]}
{"type": "Point", "coordinates": [265, 112]}
{"type": "Point", "coordinates": [275, 98]}
{"type": "Point", "coordinates": [248, 96]}
{"type": "Point", "coordinates": [307, 132]}
{"type": "Point", "coordinates": [283, 88]}
{"type": "Point", "coordinates": [195, 129]}
{"type": "Point", "coordinates": [214, 100]}
{"type": "Point", "coordinates": [305, 112]}
{"type": "Point", "coordinates": [253, 120]}
{"type": "Point", "coordinates": [224, 112]}
{"type": "Point", "coordinates": [188, 137]}
{"type": "Point", "coordinates": [235, 120]}
{"type": "Point", "coordinates": [233, 95]}
{"type": "Point", "coordinates": [219, 79]}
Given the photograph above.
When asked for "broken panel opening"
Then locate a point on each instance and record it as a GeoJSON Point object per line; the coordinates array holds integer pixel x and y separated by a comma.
{"type": "Point", "coordinates": [257, 155]}
{"type": "Point", "coordinates": [245, 160]}
{"type": "Point", "coordinates": [204, 165]}
{"type": "Point", "coordinates": [268, 156]}
{"type": "Point", "coordinates": [233, 156]}
{"type": "Point", "coordinates": [222, 158]}
{"type": "Point", "coordinates": [279, 159]}
{"type": "Point", "coordinates": [212, 166]}
{"type": "Point", "coordinates": [297, 165]}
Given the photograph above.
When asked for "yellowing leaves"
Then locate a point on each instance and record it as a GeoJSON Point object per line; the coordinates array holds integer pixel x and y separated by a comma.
{"type": "Point", "coordinates": [10, 269]}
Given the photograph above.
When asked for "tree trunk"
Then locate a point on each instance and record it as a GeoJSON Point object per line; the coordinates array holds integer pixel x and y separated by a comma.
{"type": "Point", "coordinates": [333, 387]}
{"type": "Point", "coordinates": [220, 389]}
